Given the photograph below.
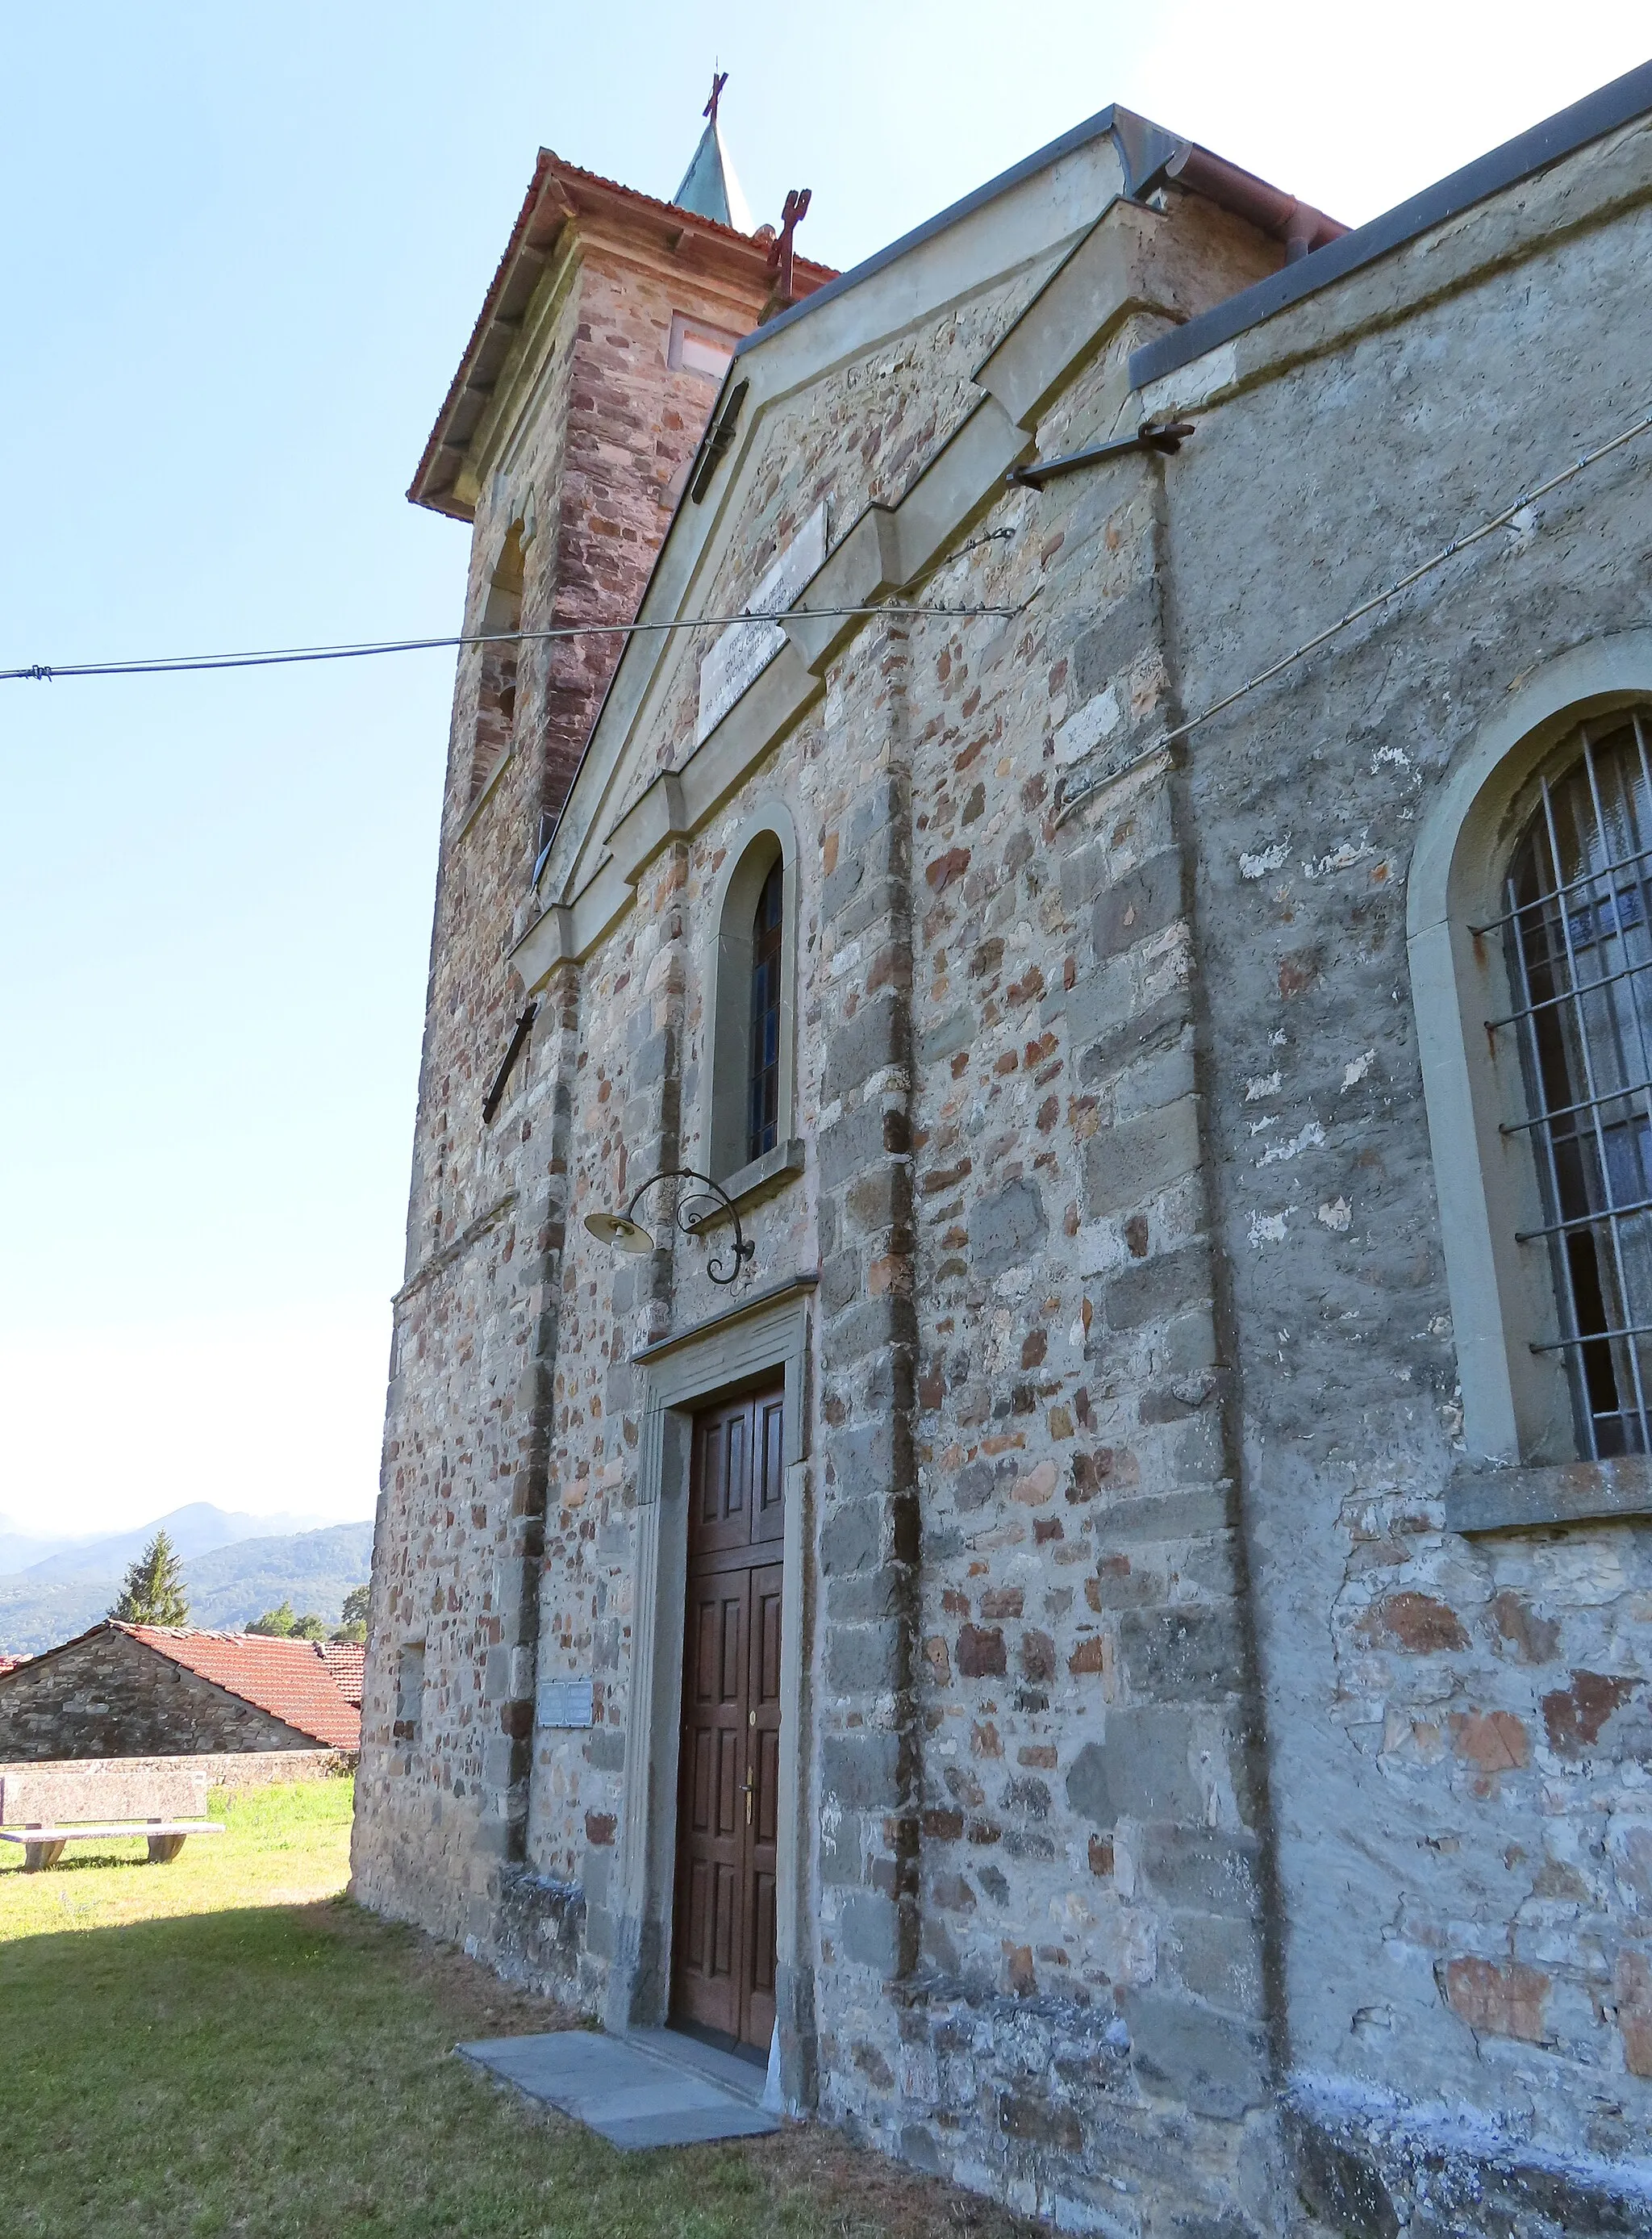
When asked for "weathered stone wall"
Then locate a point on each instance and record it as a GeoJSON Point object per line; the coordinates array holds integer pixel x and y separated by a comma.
{"type": "Point", "coordinates": [1037, 1859]}
{"type": "Point", "coordinates": [112, 1696]}
{"type": "Point", "coordinates": [1460, 1755]}
{"type": "Point", "coordinates": [1202, 1839]}
{"type": "Point", "coordinates": [587, 484]}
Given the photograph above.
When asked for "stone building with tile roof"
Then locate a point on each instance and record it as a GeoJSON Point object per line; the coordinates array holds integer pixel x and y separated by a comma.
{"type": "Point", "coordinates": [1016, 1461]}
{"type": "Point", "coordinates": [145, 1691]}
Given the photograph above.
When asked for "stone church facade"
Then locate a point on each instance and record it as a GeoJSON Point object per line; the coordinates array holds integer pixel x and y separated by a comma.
{"type": "Point", "coordinates": [1092, 1587]}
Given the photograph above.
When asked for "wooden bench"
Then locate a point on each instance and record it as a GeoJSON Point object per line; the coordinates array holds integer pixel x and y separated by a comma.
{"type": "Point", "coordinates": [50, 1806]}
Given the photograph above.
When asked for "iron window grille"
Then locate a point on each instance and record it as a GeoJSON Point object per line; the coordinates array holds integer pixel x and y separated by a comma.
{"type": "Point", "coordinates": [1578, 940]}
{"type": "Point", "coordinates": [763, 1087]}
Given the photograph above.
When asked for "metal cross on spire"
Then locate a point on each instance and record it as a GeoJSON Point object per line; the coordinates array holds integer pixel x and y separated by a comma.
{"type": "Point", "coordinates": [720, 79]}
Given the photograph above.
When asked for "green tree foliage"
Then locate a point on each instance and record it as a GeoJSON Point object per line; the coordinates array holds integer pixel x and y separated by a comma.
{"type": "Point", "coordinates": [152, 1592]}
{"type": "Point", "coordinates": [282, 1623]}
{"type": "Point", "coordinates": [353, 1624]}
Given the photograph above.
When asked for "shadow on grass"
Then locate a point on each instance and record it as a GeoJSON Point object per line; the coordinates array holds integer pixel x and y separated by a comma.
{"type": "Point", "coordinates": [288, 2069]}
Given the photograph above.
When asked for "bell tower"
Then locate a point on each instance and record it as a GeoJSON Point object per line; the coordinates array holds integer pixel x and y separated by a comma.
{"type": "Point", "coordinates": [564, 443]}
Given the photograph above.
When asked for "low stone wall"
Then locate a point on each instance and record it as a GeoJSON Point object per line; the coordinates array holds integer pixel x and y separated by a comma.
{"type": "Point", "coordinates": [232, 1769]}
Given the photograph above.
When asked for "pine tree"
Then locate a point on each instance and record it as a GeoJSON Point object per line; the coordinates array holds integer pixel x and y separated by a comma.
{"type": "Point", "coordinates": [153, 1590]}
{"type": "Point", "coordinates": [352, 1624]}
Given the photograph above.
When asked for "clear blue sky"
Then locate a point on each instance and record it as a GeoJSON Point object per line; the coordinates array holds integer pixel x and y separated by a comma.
{"type": "Point", "coordinates": [243, 250]}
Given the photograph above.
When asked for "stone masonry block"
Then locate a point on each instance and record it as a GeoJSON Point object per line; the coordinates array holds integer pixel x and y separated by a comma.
{"type": "Point", "coordinates": [879, 1035]}
{"type": "Point", "coordinates": [1192, 1653]}
{"type": "Point", "coordinates": [1219, 1960]}
{"type": "Point", "coordinates": [864, 1597]}
{"type": "Point", "coordinates": [867, 1327]}
{"type": "Point", "coordinates": [870, 1456]}
{"type": "Point", "coordinates": [1199, 1871]}
{"type": "Point", "coordinates": [867, 1930]}
{"type": "Point", "coordinates": [1129, 624]}
{"type": "Point", "coordinates": [1105, 1042]}
{"type": "Point", "coordinates": [851, 1538]}
{"type": "Point", "coordinates": [1143, 903]}
{"type": "Point", "coordinates": [1155, 1290]}
{"type": "Point", "coordinates": [1167, 1516]}
{"type": "Point", "coordinates": [864, 1659]}
{"type": "Point", "coordinates": [839, 885]}
{"type": "Point", "coordinates": [648, 1065]}
{"type": "Point", "coordinates": [1007, 1228]}
{"type": "Point", "coordinates": [877, 1201]}
{"type": "Point", "coordinates": [1139, 1769]}
{"type": "Point", "coordinates": [859, 1772]}
{"type": "Point", "coordinates": [1159, 1079]}
{"type": "Point", "coordinates": [1125, 1164]}
{"type": "Point", "coordinates": [840, 1281]}
{"type": "Point", "coordinates": [1213, 2064]}
{"type": "Point", "coordinates": [879, 807]}
{"type": "Point", "coordinates": [863, 1140]}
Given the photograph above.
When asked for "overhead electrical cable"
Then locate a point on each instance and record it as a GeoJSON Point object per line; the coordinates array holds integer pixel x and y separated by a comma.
{"type": "Point", "coordinates": [1506, 519]}
{"type": "Point", "coordinates": [184, 664]}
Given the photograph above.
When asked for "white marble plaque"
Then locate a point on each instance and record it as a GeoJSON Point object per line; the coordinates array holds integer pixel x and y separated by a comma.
{"type": "Point", "coordinates": [746, 648]}
{"type": "Point", "coordinates": [566, 1702]}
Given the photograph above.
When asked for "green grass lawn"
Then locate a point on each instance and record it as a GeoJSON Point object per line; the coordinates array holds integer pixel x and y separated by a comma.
{"type": "Point", "coordinates": [227, 2044]}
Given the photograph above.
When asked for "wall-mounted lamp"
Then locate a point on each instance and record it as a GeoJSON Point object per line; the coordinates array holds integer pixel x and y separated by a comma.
{"type": "Point", "coordinates": [694, 1208]}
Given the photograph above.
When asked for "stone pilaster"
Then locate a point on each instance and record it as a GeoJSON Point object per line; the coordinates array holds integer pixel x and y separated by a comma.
{"type": "Point", "coordinates": [870, 1770]}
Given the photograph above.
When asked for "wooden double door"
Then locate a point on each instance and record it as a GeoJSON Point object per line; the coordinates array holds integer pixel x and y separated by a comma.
{"type": "Point", "coordinates": [729, 1760]}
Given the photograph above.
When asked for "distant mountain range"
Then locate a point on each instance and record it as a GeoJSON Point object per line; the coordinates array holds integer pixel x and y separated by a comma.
{"type": "Point", "coordinates": [234, 1568]}
{"type": "Point", "coordinates": [194, 1530]}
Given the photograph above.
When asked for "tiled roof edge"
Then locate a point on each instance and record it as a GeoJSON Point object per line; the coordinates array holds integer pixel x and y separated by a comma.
{"type": "Point", "coordinates": [1597, 113]}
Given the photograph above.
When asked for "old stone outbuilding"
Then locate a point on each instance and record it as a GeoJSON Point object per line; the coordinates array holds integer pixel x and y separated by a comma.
{"type": "Point", "coordinates": [149, 1691]}
{"type": "Point", "coordinates": [1085, 1574]}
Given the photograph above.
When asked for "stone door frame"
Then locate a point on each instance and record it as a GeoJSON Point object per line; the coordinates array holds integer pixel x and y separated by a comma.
{"type": "Point", "coordinates": [764, 1336]}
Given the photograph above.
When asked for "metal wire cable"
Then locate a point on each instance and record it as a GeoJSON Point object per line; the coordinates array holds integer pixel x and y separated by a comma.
{"type": "Point", "coordinates": [185, 664]}
{"type": "Point", "coordinates": [1365, 607]}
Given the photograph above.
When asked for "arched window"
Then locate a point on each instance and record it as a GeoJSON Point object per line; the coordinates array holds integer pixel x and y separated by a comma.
{"type": "Point", "coordinates": [752, 972]}
{"type": "Point", "coordinates": [763, 1062]}
{"type": "Point", "coordinates": [1528, 913]}
{"type": "Point", "coordinates": [1577, 933]}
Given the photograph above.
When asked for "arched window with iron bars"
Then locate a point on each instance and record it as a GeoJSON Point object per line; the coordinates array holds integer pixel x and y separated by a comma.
{"type": "Point", "coordinates": [1578, 940]}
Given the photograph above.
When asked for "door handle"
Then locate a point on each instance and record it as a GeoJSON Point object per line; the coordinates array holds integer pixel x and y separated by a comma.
{"type": "Point", "coordinates": [751, 1790]}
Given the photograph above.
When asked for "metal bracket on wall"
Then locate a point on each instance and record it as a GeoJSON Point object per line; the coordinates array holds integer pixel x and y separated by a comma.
{"type": "Point", "coordinates": [490, 1103]}
{"type": "Point", "coordinates": [1166, 438]}
{"type": "Point", "coordinates": [717, 442]}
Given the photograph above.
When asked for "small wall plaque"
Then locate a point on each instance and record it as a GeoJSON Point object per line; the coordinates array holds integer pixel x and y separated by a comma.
{"type": "Point", "coordinates": [566, 1702]}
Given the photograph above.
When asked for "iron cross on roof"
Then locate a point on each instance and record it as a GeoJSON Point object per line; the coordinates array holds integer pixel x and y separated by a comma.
{"type": "Point", "coordinates": [720, 79]}
{"type": "Point", "coordinates": [781, 253]}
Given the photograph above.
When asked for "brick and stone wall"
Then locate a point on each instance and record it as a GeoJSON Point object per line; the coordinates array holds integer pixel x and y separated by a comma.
{"type": "Point", "coordinates": [1201, 1838]}
{"type": "Point", "coordinates": [597, 464]}
{"type": "Point", "coordinates": [110, 1695]}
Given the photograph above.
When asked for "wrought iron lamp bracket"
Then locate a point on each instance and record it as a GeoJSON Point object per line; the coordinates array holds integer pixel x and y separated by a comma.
{"type": "Point", "coordinates": [715, 1199]}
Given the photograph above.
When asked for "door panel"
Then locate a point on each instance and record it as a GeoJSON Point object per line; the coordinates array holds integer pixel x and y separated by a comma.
{"type": "Point", "coordinates": [729, 1802]}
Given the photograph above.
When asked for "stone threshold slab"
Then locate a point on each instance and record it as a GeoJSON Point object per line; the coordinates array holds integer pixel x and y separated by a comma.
{"type": "Point", "coordinates": [641, 2091]}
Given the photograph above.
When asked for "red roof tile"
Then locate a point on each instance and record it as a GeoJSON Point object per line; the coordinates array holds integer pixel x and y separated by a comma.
{"type": "Point", "coordinates": [347, 1661]}
{"type": "Point", "coordinates": [11, 1663]}
{"type": "Point", "coordinates": [291, 1679]}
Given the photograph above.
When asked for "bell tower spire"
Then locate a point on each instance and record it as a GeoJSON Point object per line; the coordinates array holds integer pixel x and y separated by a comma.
{"type": "Point", "coordinates": [709, 187]}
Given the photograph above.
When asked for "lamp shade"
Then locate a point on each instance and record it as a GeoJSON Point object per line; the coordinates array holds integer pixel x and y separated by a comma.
{"type": "Point", "coordinates": [624, 1235]}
